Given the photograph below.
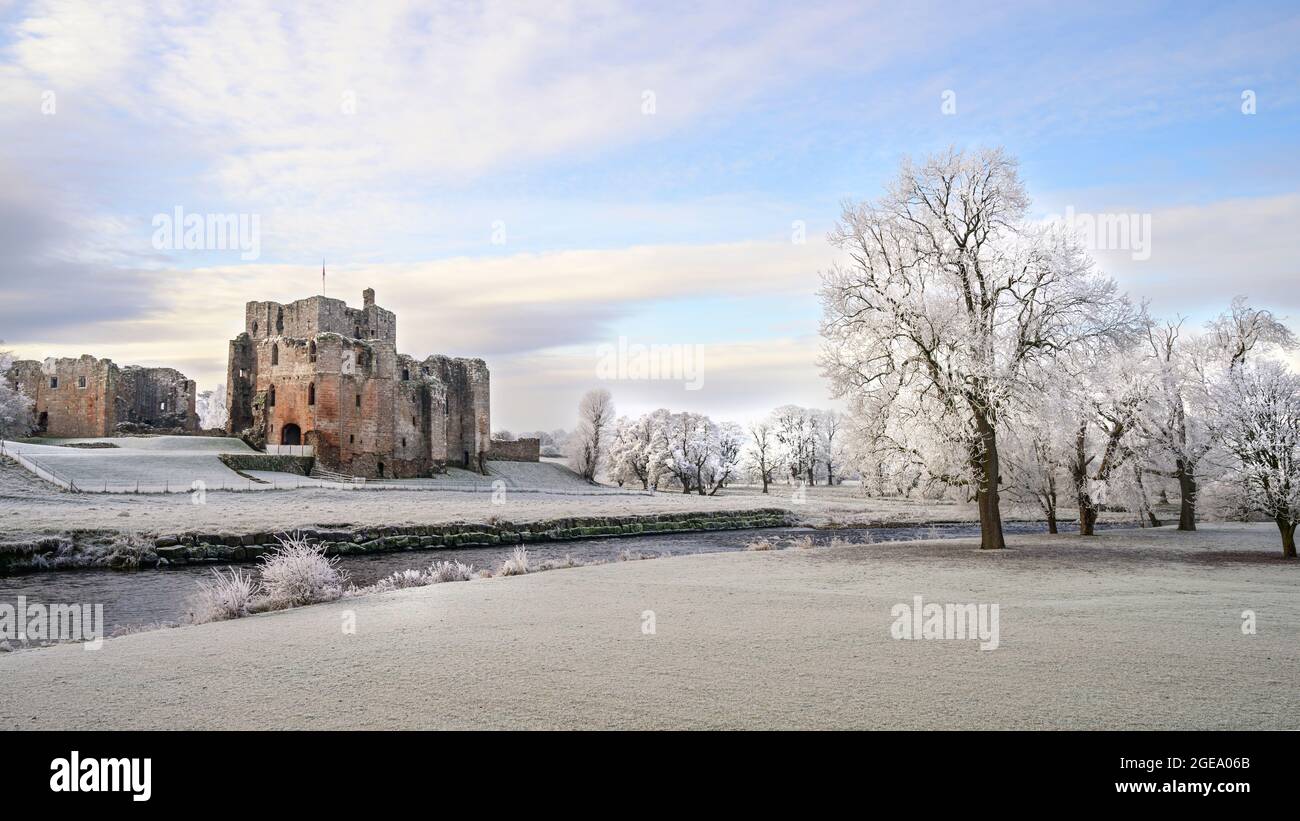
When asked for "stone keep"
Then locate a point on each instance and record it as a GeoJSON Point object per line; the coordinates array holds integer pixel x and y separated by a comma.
{"type": "Point", "coordinates": [317, 372]}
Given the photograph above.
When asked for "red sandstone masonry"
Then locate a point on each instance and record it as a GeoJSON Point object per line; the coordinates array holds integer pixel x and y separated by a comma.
{"type": "Point", "coordinates": [320, 373]}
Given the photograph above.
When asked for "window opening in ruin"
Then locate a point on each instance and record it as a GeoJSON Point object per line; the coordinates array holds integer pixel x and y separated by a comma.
{"type": "Point", "coordinates": [381, 470]}
{"type": "Point", "coordinates": [403, 441]}
{"type": "Point", "coordinates": [279, 321]}
{"type": "Point", "coordinates": [81, 381]}
{"type": "Point", "coordinates": [270, 400]}
{"type": "Point", "coordinates": [254, 326]}
{"type": "Point", "coordinates": [43, 423]}
{"type": "Point", "coordinates": [162, 406]}
{"type": "Point", "coordinates": [311, 394]}
{"type": "Point", "coordinates": [358, 400]}
{"type": "Point", "coordinates": [351, 439]}
{"type": "Point", "coordinates": [406, 375]}
{"type": "Point", "coordinates": [54, 382]}
{"type": "Point", "coordinates": [311, 352]}
{"type": "Point", "coordinates": [275, 354]}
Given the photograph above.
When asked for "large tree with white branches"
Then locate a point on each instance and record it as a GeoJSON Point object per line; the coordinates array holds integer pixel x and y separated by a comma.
{"type": "Point", "coordinates": [948, 301]}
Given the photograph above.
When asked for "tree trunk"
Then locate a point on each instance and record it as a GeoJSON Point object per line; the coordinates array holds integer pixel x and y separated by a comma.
{"type": "Point", "coordinates": [1145, 503]}
{"type": "Point", "coordinates": [1050, 507]}
{"type": "Point", "coordinates": [765, 483]}
{"type": "Point", "coordinates": [1187, 504]}
{"type": "Point", "coordinates": [990, 507]}
{"type": "Point", "coordinates": [1287, 528]}
{"type": "Point", "coordinates": [1079, 472]}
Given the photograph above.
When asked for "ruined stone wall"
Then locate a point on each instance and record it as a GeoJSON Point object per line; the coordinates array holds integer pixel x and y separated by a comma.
{"type": "Point", "coordinates": [156, 397]}
{"type": "Point", "coordinates": [516, 450]}
{"type": "Point", "coordinates": [467, 410]}
{"type": "Point", "coordinates": [73, 397]}
{"type": "Point", "coordinates": [240, 376]}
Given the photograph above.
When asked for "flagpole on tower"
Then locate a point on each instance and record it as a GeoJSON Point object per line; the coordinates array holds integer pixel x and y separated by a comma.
{"type": "Point", "coordinates": [322, 276]}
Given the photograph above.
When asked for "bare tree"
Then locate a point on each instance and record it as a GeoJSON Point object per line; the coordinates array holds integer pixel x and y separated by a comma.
{"type": "Point", "coordinates": [948, 301]}
{"type": "Point", "coordinates": [763, 451]}
{"type": "Point", "coordinates": [587, 445]}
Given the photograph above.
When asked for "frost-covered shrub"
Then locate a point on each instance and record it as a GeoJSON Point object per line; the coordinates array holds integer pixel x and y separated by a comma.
{"type": "Point", "coordinates": [451, 572]}
{"type": "Point", "coordinates": [404, 578]}
{"type": "Point", "coordinates": [761, 544]}
{"type": "Point", "coordinates": [227, 596]}
{"type": "Point", "coordinates": [516, 565]}
{"type": "Point", "coordinates": [298, 572]}
{"type": "Point", "coordinates": [801, 543]}
{"type": "Point", "coordinates": [566, 562]}
{"type": "Point", "coordinates": [635, 555]}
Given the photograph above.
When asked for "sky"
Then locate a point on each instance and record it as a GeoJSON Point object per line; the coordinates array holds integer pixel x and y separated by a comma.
{"type": "Point", "coordinates": [546, 184]}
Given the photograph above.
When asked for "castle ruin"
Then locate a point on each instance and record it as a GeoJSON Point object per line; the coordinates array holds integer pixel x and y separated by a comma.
{"type": "Point", "coordinates": [317, 372]}
{"type": "Point", "coordinates": [87, 397]}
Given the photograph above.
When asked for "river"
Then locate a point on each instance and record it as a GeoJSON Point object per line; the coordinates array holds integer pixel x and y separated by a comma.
{"type": "Point", "coordinates": [132, 599]}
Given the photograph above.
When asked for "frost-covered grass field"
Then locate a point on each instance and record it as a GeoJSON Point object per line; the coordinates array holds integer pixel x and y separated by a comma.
{"type": "Point", "coordinates": [1128, 629]}
{"type": "Point", "coordinates": [515, 492]}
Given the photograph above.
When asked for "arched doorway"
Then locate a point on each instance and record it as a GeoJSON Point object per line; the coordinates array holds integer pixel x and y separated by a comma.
{"type": "Point", "coordinates": [290, 434]}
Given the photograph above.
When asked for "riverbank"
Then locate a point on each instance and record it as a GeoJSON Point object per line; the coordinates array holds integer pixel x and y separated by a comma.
{"type": "Point", "coordinates": [82, 549]}
{"type": "Point", "coordinates": [1129, 629]}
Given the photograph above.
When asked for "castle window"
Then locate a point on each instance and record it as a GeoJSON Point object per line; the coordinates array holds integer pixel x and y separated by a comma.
{"type": "Point", "coordinates": [162, 406]}
{"type": "Point", "coordinates": [311, 394]}
{"type": "Point", "coordinates": [358, 332]}
{"type": "Point", "coordinates": [275, 354]}
{"type": "Point", "coordinates": [270, 398]}
{"type": "Point", "coordinates": [54, 381]}
{"type": "Point", "coordinates": [311, 352]}
{"type": "Point", "coordinates": [351, 438]}
{"type": "Point", "coordinates": [358, 400]}
{"type": "Point", "coordinates": [254, 326]}
{"type": "Point", "coordinates": [403, 441]}
{"type": "Point", "coordinates": [406, 375]}
{"type": "Point", "coordinates": [81, 381]}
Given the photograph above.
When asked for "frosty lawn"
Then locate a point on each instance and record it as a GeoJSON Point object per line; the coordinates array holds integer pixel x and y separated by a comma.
{"type": "Point", "coordinates": [1128, 629]}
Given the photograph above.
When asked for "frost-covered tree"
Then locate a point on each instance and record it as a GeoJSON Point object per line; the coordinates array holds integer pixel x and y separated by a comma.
{"type": "Point", "coordinates": [1037, 453]}
{"type": "Point", "coordinates": [1184, 368]}
{"type": "Point", "coordinates": [796, 430]}
{"type": "Point", "coordinates": [949, 300]}
{"type": "Point", "coordinates": [762, 452]}
{"type": "Point", "coordinates": [16, 417]}
{"type": "Point", "coordinates": [685, 440]}
{"type": "Point", "coordinates": [830, 443]}
{"type": "Point", "coordinates": [727, 446]}
{"type": "Point", "coordinates": [1108, 399]}
{"type": "Point", "coordinates": [588, 444]}
{"type": "Point", "coordinates": [211, 408]}
{"type": "Point", "coordinates": [637, 452]}
{"type": "Point", "coordinates": [1243, 329]}
{"type": "Point", "coordinates": [1258, 422]}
